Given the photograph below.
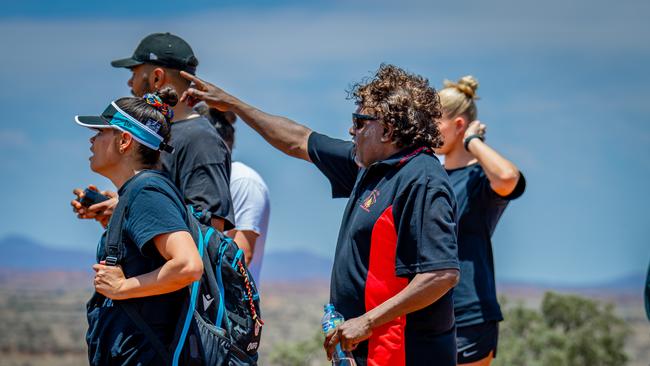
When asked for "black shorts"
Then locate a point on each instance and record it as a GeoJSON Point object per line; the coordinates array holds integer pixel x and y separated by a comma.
{"type": "Point", "coordinates": [475, 342]}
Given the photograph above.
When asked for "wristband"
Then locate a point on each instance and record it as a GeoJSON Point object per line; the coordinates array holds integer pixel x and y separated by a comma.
{"type": "Point", "coordinates": [470, 138]}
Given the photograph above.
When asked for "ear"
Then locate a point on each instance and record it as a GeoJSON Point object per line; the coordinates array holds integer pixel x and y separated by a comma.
{"type": "Point", "coordinates": [157, 78]}
{"type": "Point", "coordinates": [125, 142]}
{"type": "Point", "coordinates": [387, 135]}
{"type": "Point", "coordinates": [460, 125]}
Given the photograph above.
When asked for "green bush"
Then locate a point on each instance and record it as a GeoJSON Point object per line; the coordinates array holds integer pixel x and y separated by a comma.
{"type": "Point", "coordinates": [568, 330]}
{"type": "Point", "coordinates": [307, 352]}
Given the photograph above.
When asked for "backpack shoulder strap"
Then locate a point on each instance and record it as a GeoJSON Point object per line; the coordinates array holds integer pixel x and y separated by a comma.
{"type": "Point", "coordinates": [114, 248]}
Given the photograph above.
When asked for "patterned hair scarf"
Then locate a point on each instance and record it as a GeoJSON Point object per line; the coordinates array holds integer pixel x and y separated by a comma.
{"type": "Point", "coordinates": [155, 101]}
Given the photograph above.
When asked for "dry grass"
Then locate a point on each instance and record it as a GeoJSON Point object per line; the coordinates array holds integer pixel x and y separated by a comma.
{"type": "Point", "coordinates": [42, 318]}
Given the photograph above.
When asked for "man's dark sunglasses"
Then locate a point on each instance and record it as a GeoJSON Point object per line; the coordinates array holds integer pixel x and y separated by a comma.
{"type": "Point", "coordinates": [358, 120]}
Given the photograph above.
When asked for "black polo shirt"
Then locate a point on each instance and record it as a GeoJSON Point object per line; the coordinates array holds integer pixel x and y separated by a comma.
{"type": "Point", "coordinates": [400, 221]}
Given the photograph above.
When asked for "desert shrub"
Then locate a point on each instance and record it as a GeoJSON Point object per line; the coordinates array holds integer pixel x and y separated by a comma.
{"type": "Point", "coordinates": [567, 330]}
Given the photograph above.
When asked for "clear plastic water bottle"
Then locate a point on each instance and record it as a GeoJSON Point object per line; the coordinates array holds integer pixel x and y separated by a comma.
{"type": "Point", "coordinates": [332, 319]}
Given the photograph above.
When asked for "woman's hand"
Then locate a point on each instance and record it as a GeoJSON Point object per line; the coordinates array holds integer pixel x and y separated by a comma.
{"type": "Point", "coordinates": [349, 335]}
{"type": "Point", "coordinates": [101, 212]}
{"type": "Point", "coordinates": [475, 128]}
{"type": "Point", "coordinates": [109, 280]}
{"type": "Point", "coordinates": [502, 174]}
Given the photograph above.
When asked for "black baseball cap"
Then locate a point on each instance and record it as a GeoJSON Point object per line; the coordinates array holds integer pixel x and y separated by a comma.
{"type": "Point", "coordinates": [164, 49]}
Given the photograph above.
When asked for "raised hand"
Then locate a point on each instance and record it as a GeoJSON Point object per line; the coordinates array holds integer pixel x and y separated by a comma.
{"type": "Point", "coordinates": [476, 128]}
{"type": "Point", "coordinates": [204, 91]}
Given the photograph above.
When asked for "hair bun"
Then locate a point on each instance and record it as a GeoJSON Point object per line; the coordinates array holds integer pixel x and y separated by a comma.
{"type": "Point", "coordinates": [466, 85]}
{"type": "Point", "coordinates": [168, 95]}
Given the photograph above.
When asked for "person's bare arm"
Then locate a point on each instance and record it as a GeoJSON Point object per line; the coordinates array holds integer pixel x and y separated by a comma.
{"type": "Point", "coordinates": [183, 266]}
{"type": "Point", "coordinates": [282, 133]}
{"type": "Point", "coordinates": [245, 240]}
{"type": "Point", "coordinates": [502, 174]}
{"type": "Point", "coordinates": [423, 290]}
{"type": "Point", "coordinates": [217, 223]}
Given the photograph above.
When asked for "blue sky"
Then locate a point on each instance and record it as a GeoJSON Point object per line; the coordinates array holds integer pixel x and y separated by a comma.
{"type": "Point", "coordinates": [564, 89]}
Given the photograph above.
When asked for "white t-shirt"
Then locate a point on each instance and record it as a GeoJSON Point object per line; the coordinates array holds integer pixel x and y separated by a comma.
{"type": "Point", "coordinates": [250, 199]}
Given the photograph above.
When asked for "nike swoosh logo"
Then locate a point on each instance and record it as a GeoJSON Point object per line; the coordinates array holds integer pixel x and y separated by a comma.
{"type": "Point", "coordinates": [467, 354]}
{"type": "Point", "coordinates": [465, 347]}
{"type": "Point", "coordinates": [207, 302]}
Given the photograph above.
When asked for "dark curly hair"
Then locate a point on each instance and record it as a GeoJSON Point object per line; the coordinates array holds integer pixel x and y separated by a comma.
{"type": "Point", "coordinates": [404, 101]}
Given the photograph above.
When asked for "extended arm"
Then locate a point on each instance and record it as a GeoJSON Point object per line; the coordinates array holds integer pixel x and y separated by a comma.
{"type": "Point", "coordinates": [284, 134]}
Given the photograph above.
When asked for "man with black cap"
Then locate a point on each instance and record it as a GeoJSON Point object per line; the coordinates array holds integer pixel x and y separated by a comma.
{"type": "Point", "coordinates": [200, 164]}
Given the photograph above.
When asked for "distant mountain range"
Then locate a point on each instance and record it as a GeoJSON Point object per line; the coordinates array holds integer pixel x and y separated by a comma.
{"type": "Point", "coordinates": [18, 253]}
{"type": "Point", "coordinates": [292, 266]}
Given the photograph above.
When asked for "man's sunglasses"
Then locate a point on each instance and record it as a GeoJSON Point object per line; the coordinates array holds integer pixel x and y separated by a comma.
{"type": "Point", "coordinates": [358, 120]}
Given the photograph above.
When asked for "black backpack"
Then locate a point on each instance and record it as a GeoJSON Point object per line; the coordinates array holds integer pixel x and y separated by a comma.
{"type": "Point", "coordinates": [221, 322]}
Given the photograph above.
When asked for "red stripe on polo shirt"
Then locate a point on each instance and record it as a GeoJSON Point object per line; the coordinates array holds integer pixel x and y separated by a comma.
{"type": "Point", "coordinates": [386, 346]}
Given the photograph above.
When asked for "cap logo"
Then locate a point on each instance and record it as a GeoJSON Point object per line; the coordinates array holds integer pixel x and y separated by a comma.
{"type": "Point", "coordinates": [152, 56]}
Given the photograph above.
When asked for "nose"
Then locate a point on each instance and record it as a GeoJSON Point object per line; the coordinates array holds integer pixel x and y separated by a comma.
{"type": "Point", "coordinates": [92, 139]}
{"type": "Point", "coordinates": [130, 82]}
{"type": "Point", "coordinates": [352, 131]}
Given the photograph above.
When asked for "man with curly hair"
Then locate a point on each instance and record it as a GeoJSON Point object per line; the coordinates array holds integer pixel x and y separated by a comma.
{"type": "Point", "coordinates": [396, 258]}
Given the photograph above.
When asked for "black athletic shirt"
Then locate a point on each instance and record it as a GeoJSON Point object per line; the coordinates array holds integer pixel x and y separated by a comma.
{"type": "Point", "coordinates": [200, 168]}
{"type": "Point", "coordinates": [399, 221]}
{"type": "Point", "coordinates": [479, 210]}
{"type": "Point", "coordinates": [112, 337]}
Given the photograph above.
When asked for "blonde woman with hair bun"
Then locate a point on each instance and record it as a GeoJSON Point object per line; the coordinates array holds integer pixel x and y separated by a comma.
{"type": "Point", "coordinates": [484, 183]}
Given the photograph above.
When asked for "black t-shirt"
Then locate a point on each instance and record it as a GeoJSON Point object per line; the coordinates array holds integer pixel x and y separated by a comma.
{"type": "Point", "coordinates": [200, 168]}
{"type": "Point", "coordinates": [400, 221]}
{"type": "Point", "coordinates": [112, 337]}
{"type": "Point", "coordinates": [479, 210]}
